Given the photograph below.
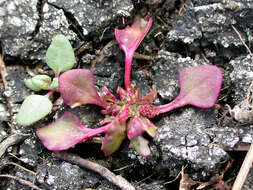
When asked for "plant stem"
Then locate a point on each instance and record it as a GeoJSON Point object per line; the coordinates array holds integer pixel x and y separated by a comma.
{"type": "Point", "coordinates": [176, 103]}
{"type": "Point", "coordinates": [128, 64]}
{"type": "Point", "coordinates": [50, 93]}
{"type": "Point", "coordinates": [95, 132]}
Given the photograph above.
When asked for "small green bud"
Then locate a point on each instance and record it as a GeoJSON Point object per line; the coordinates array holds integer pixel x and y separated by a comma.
{"type": "Point", "coordinates": [38, 82]}
{"type": "Point", "coordinates": [29, 84]}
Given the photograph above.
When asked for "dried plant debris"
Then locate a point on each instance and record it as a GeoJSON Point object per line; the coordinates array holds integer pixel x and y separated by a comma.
{"type": "Point", "coordinates": [186, 183]}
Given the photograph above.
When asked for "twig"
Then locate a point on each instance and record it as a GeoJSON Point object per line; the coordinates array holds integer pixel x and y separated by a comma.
{"type": "Point", "coordinates": [4, 74]}
{"type": "Point", "coordinates": [21, 181]}
{"type": "Point", "coordinates": [139, 182]}
{"type": "Point", "coordinates": [21, 167]}
{"type": "Point", "coordinates": [239, 35]}
{"type": "Point", "coordinates": [204, 57]}
{"type": "Point", "coordinates": [81, 49]}
{"type": "Point", "coordinates": [124, 167]}
{"type": "Point", "coordinates": [186, 182]}
{"type": "Point", "coordinates": [103, 33]}
{"type": "Point", "coordinates": [165, 24]}
{"type": "Point", "coordinates": [14, 156]}
{"type": "Point", "coordinates": [244, 170]}
{"type": "Point", "coordinates": [11, 140]}
{"type": "Point", "coordinates": [115, 179]}
{"type": "Point", "coordinates": [225, 182]}
{"type": "Point", "coordinates": [182, 8]}
{"type": "Point", "coordinates": [101, 55]}
{"type": "Point", "coordinates": [173, 179]}
{"type": "Point", "coordinates": [141, 56]}
{"type": "Point", "coordinates": [240, 148]}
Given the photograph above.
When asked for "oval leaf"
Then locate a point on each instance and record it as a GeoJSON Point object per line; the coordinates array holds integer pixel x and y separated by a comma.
{"type": "Point", "coordinates": [64, 133]}
{"type": "Point", "coordinates": [200, 87]}
{"type": "Point", "coordinates": [77, 88]}
{"type": "Point", "coordinates": [138, 125]}
{"type": "Point", "coordinates": [34, 108]}
{"type": "Point", "coordinates": [60, 55]}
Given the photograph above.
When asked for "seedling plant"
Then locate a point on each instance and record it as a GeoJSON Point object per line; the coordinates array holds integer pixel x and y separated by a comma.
{"type": "Point", "coordinates": [127, 116]}
{"type": "Point", "coordinates": [59, 57]}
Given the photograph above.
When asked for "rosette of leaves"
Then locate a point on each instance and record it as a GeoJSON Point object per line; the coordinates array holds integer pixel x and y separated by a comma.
{"type": "Point", "coordinates": [127, 117]}
{"type": "Point", "coordinates": [59, 57]}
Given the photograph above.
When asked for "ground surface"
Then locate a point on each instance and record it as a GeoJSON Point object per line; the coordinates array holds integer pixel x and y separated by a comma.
{"type": "Point", "coordinates": [209, 144]}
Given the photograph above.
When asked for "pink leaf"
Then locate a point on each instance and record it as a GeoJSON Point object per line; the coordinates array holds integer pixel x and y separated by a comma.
{"type": "Point", "coordinates": [138, 125]}
{"type": "Point", "coordinates": [65, 132]}
{"type": "Point", "coordinates": [107, 95]}
{"type": "Point", "coordinates": [200, 87]}
{"type": "Point", "coordinates": [122, 93]}
{"type": "Point", "coordinates": [130, 37]}
{"type": "Point", "coordinates": [115, 134]}
{"type": "Point", "coordinates": [124, 113]}
{"type": "Point", "coordinates": [77, 88]}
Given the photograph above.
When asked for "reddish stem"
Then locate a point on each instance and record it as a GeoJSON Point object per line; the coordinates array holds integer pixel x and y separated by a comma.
{"type": "Point", "coordinates": [95, 132]}
{"type": "Point", "coordinates": [50, 93]}
{"type": "Point", "coordinates": [176, 103]}
{"type": "Point", "coordinates": [128, 64]}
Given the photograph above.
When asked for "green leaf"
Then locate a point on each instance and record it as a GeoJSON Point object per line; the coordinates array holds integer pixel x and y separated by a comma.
{"type": "Point", "coordinates": [140, 144]}
{"type": "Point", "coordinates": [115, 134]}
{"type": "Point", "coordinates": [34, 108]}
{"type": "Point", "coordinates": [54, 83]}
{"type": "Point", "coordinates": [60, 55]}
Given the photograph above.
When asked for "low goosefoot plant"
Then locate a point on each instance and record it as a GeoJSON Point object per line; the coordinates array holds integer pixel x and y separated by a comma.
{"type": "Point", "coordinates": [127, 116]}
